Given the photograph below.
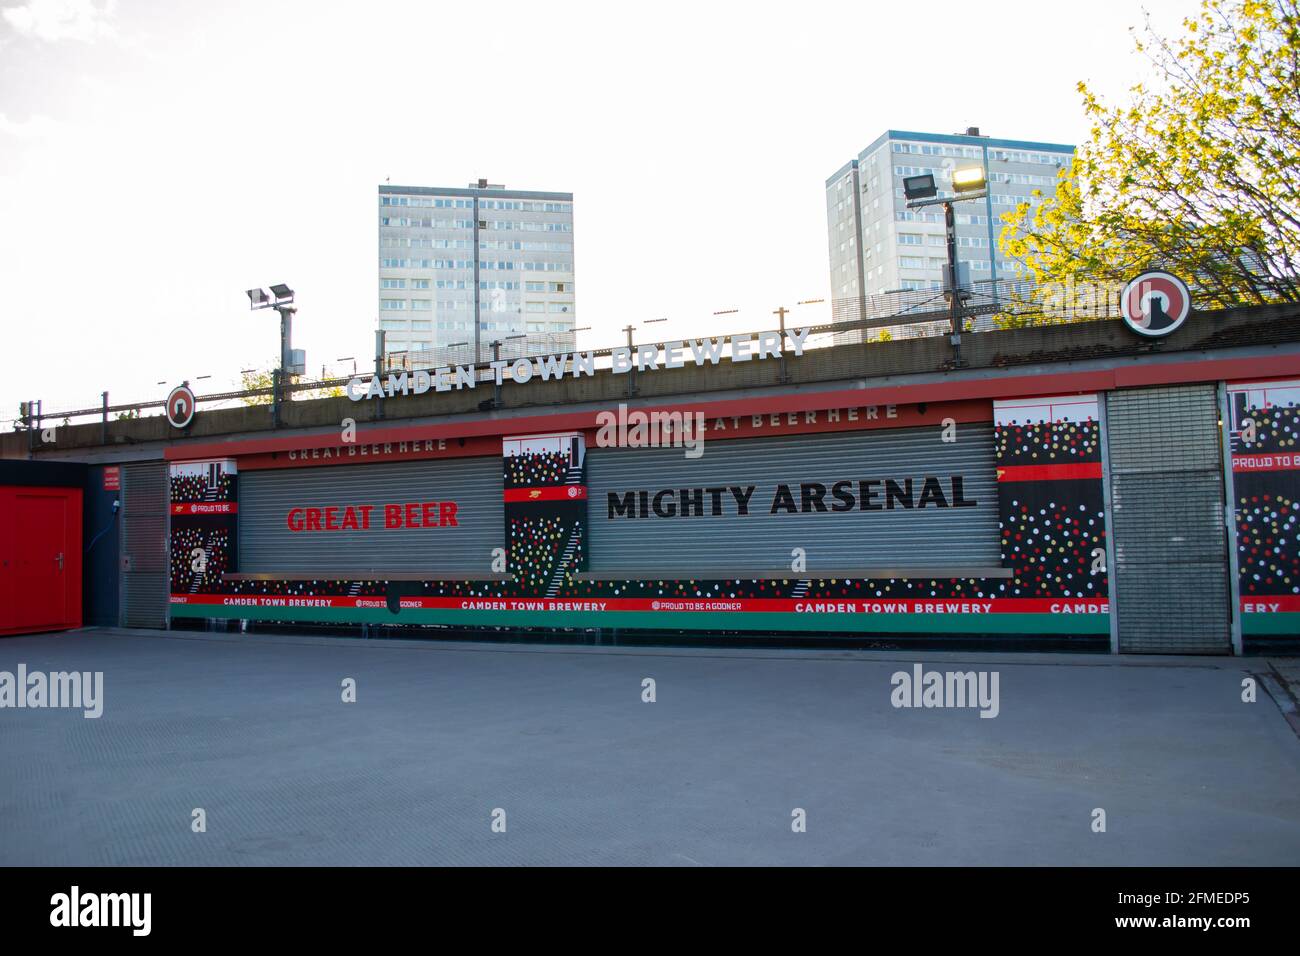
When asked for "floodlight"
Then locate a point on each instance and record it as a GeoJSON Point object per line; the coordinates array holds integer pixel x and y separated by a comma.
{"type": "Point", "coordinates": [281, 292]}
{"type": "Point", "coordinates": [258, 299]}
{"type": "Point", "coordinates": [969, 179]}
{"type": "Point", "coordinates": [919, 187]}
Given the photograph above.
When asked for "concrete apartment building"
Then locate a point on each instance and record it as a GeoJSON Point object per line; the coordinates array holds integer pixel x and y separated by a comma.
{"type": "Point", "coordinates": [460, 268]}
{"type": "Point", "coordinates": [878, 245]}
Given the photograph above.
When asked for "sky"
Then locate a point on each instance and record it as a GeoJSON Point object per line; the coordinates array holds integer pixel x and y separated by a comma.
{"type": "Point", "coordinates": [159, 158]}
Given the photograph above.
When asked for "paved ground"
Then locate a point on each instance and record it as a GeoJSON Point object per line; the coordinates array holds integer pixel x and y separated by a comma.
{"type": "Point", "coordinates": [253, 731]}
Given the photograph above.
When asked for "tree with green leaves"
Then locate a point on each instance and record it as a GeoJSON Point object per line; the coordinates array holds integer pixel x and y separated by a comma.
{"type": "Point", "coordinates": [254, 380]}
{"type": "Point", "coordinates": [1198, 173]}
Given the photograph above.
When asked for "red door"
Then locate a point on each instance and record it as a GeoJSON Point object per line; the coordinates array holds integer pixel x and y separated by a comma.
{"type": "Point", "coordinates": [43, 558]}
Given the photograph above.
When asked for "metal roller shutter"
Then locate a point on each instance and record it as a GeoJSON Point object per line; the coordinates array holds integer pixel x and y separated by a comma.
{"type": "Point", "coordinates": [146, 499]}
{"type": "Point", "coordinates": [761, 541]}
{"type": "Point", "coordinates": [1166, 475]}
{"type": "Point", "coordinates": [267, 545]}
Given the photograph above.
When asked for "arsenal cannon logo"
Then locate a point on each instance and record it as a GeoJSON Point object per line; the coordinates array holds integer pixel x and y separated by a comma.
{"type": "Point", "coordinates": [180, 406]}
{"type": "Point", "coordinates": [1155, 304]}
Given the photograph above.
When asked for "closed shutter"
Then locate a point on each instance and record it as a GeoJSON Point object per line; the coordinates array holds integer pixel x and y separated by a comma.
{"type": "Point", "coordinates": [146, 500]}
{"type": "Point", "coordinates": [1166, 474]}
{"type": "Point", "coordinates": [268, 545]}
{"type": "Point", "coordinates": [898, 537]}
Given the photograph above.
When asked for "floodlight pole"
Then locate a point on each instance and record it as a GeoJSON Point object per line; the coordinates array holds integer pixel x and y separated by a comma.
{"type": "Point", "coordinates": [286, 334]}
{"type": "Point", "coordinates": [281, 300]}
{"type": "Point", "coordinates": [780, 314]}
{"type": "Point", "coordinates": [277, 380]}
{"type": "Point", "coordinates": [381, 350]}
{"type": "Point", "coordinates": [954, 293]}
{"type": "Point", "coordinates": [286, 311]}
{"type": "Point", "coordinates": [631, 372]}
{"type": "Point", "coordinates": [496, 378]}
{"type": "Point", "coordinates": [954, 290]}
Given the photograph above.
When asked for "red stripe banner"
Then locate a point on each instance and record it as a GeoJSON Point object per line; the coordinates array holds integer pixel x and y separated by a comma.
{"type": "Point", "coordinates": [1247, 463]}
{"type": "Point", "coordinates": [1270, 604]}
{"type": "Point", "coordinates": [668, 605]}
{"type": "Point", "coordinates": [205, 508]}
{"type": "Point", "coordinates": [552, 493]}
{"type": "Point", "coordinates": [1062, 472]}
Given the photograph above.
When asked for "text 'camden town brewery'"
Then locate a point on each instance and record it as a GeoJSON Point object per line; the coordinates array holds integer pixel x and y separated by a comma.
{"type": "Point", "coordinates": [623, 360]}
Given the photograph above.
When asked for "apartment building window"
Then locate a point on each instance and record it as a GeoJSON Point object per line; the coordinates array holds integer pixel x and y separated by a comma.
{"type": "Point", "coordinates": [916, 170]}
{"type": "Point", "coordinates": [911, 262]}
{"type": "Point", "coordinates": [392, 305]}
{"type": "Point", "coordinates": [392, 325]}
{"type": "Point", "coordinates": [392, 283]}
{"type": "Point", "coordinates": [422, 305]}
{"type": "Point", "coordinates": [416, 283]}
{"type": "Point", "coordinates": [909, 239]}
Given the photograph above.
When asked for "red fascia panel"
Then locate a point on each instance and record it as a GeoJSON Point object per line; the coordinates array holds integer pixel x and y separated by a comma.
{"type": "Point", "coordinates": [574, 421]}
{"type": "Point", "coordinates": [1208, 370]}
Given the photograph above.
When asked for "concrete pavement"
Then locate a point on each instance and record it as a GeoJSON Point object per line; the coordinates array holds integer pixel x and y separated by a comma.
{"type": "Point", "coordinates": [253, 731]}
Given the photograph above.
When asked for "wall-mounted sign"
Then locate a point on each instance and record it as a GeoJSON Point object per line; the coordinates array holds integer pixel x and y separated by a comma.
{"type": "Point", "coordinates": [641, 358]}
{"type": "Point", "coordinates": [1155, 304]}
{"type": "Point", "coordinates": [180, 406]}
{"type": "Point", "coordinates": [807, 497]}
{"type": "Point", "coordinates": [414, 514]}
{"type": "Point", "coordinates": [112, 478]}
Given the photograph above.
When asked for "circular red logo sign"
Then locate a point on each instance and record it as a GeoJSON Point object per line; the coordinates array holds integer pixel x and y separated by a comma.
{"type": "Point", "coordinates": [180, 406]}
{"type": "Point", "coordinates": [1155, 304]}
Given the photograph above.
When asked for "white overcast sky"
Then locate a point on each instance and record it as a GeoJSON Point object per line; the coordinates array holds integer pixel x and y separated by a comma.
{"type": "Point", "coordinates": [158, 158]}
